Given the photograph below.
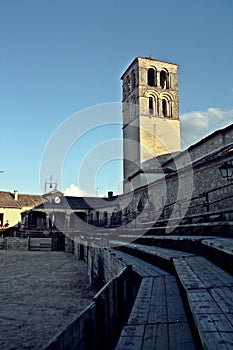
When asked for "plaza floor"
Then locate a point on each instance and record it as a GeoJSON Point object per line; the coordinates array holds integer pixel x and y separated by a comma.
{"type": "Point", "coordinates": [40, 293]}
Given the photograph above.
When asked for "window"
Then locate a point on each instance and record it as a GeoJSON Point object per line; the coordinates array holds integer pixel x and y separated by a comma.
{"type": "Point", "coordinates": [151, 106]}
{"type": "Point", "coordinates": [1, 219]}
{"type": "Point", "coordinates": [164, 79]}
{"type": "Point", "coordinates": [126, 112]}
{"type": "Point", "coordinates": [151, 75]}
{"type": "Point", "coordinates": [164, 108]}
{"type": "Point", "coordinates": [124, 92]}
{"type": "Point", "coordinates": [128, 84]}
{"type": "Point", "coordinates": [133, 79]}
{"type": "Point", "coordinates": [133, 108]}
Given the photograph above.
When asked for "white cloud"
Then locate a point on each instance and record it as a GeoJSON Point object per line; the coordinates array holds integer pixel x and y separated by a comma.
{"type": "Point", "coordinates": [198, 124]}
{"type": "Point", "coordinates": [75, 191]}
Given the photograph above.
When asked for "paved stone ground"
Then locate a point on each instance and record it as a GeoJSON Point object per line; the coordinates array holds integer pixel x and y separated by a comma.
{"type": "Point", "coordinates": [40, 292]}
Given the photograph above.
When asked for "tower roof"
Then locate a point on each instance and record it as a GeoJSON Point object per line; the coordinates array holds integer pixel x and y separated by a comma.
{"type": "Point", "coordinates": [146, 58]}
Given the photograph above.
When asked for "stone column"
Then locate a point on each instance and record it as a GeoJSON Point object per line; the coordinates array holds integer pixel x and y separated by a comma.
{"type": "Point", "coordinates": [158, 106]}
{"type": "Point", "coordinates": [160, 111]}
{"type": "Point", "coordinates": [158, 78]}
{"type": "Point", "coordinates": [24, 221]}
{"type": "Point", "coordinates": [47, 220]}
{"type": "Point", "coordinates": [68, 221]}
{"type": "Point", "coordinates": [170, 102]}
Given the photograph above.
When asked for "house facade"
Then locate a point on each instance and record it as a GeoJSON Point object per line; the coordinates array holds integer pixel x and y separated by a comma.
{"type": "Point", "coordinates": [14, 204]}
{"type": "Point", "coordinates": [71, 213]}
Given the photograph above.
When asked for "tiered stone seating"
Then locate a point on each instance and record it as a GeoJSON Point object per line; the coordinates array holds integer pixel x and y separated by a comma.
{"type": "Point", "coordinates": [207, 223]}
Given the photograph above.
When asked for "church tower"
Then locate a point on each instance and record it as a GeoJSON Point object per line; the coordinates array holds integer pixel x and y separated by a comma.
{"type": "Point", "coordinates": [151, 125]}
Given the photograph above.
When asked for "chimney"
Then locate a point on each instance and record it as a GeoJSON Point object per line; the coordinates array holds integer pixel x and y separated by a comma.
{"type": "Point", "coordinates": [16, 195]}
{"type": "Point", "coordinates": [110, 194]}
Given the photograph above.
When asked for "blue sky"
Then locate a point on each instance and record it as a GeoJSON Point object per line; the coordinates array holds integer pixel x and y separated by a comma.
{"type": "Point", "coordinates": [59, 57]}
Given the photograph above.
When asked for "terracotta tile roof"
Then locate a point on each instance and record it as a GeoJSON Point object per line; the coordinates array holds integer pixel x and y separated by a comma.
{"type": "Point", "coordinates": [30, 200]}
{"type": "Point", "coordinates": [24, 200]}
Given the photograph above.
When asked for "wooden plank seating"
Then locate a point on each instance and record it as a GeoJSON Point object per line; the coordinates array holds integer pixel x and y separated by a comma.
{"type": "Point", "coordinates": [217, 249]}
{"type": "Point", "coordinates": [158, 256]}
{"type": "Point", "coordinates": [207, 222]}
{"type": "Point", "coordinates": [140, 267]}
{"type": "Point", "coordinates": [176, 223]}
{"type": "Point", "coordinates": [222, 215]}
{"type": "Point", "coordinates": [167, 254]}
{"type": "Point", "coordinates": [209, 293]}
{"type": "Point", "coordinates": [169, 238]}
{"type": "Point", "coordinates": [177, 227]}
{"type": "Point", "coordinates": [197, 268]}
{"type": "Point", "coordinates": [206, 228]}
{"type": "Point", "coordinates": [157, 320]}
{"type": "Point", "coordinates": [222, 244]}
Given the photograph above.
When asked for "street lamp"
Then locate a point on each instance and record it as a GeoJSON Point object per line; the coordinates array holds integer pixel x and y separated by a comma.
{"type": "Point", "coordinates": [226, 170]}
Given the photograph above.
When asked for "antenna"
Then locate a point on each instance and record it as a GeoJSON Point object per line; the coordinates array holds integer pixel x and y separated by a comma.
{"type": "Point", "coordinates": [97, 190]}
{"type": "Point", "coordinates": [51, 184]}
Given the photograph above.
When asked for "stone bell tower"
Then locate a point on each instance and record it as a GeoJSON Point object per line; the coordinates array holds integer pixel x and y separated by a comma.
{"type": "Point", "coordinates": [151, 125]}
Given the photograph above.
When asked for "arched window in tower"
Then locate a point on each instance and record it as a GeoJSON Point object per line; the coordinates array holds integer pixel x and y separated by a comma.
{"type": "Point", "coordinates": [151, 77]}
{"type": "Point", "coordinates": [127, 112]}
{"type": "Point", "coordinates": [133, 108]}
{"type": "Point", "coordinates": [124, 92]}
{"type": "Point", "coordinates": [151, 106]}
{"type": "Point", "coordinates": [128, 84]}
{"type": "Point", "coordinates": [164, 108]}
{"type": "Point", "coordinates": [164, 79]}
{"type": "Point", "coordinates": [133, 79]}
